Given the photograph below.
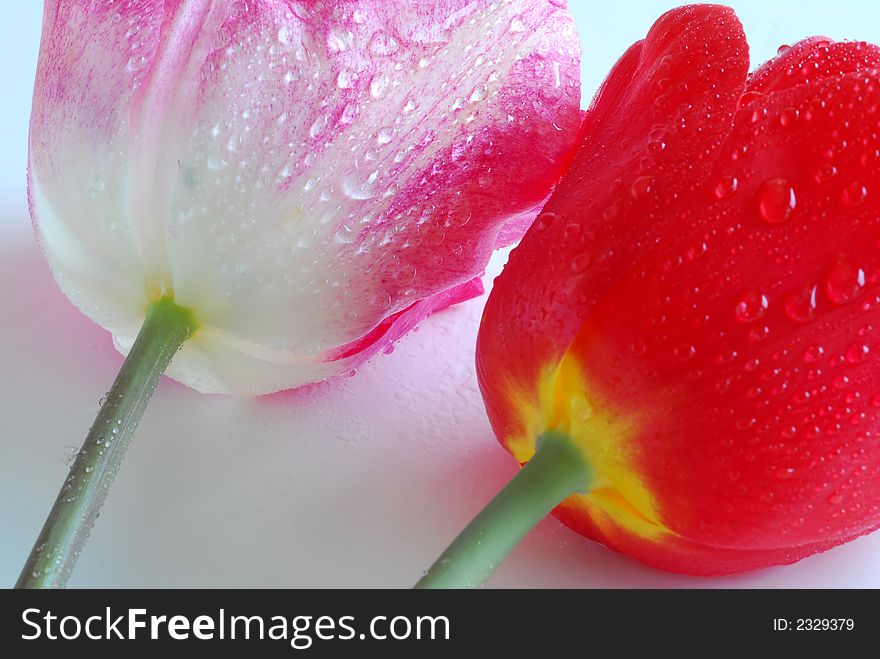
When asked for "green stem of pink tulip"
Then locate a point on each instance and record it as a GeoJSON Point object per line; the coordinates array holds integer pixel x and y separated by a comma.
{"type": "Point", "coordinates": [557, 470]}
{"type": "Point", "coordinates": [71, 519]}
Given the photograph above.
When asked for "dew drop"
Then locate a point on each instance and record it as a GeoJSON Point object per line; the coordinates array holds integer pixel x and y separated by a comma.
{"type": "Point", "coordinates": [685, 351]}
{"type": "Point", "coordinates": [385, 135]}
{"type": "Point", "coordinates": [545, 220]}
{"type": "Point", "coordinates": [776, 200]}
{"type": "Point", "coordinates": [814, 353]}
{"type": "Point", "coordinates": [787, 117]}
{"type": "Point", "coordinates": [344, 79]}
{"type": "Point", "coordinates": [751, 306]}
{"type": "Point", "coordinates": [379, 86]}
{"type": "Point", "coordinates": [784, 473]}
{"type": "Point", "coordinates": [725, 187]}
{"type": "Point", "coordinates": [857, 352]}
{"type": "Point", "coordinates": [285, 35]}
{"type": "Point", "coordinates": [383, 44]}
{"type": "Point", "coordinates": [581, 262]}
{"type": "Point", "coordinates": [825, 173]}
{"type": "Point", "coordinates": [853, 194]}
{"type": "Point", "coordinates": [844, 281]}
{"type": "Point", "coordinates": [800, 305]}
{"type": "Point", "coordinates": [759, 333]}
{"type": "Point", "coordinates": [641, 186]}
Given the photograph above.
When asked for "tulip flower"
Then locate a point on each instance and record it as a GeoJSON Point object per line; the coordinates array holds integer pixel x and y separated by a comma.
{"type": "Point", "coordinates": [282, 188]}
{"type": "Point", "coordinates": [684, 350]}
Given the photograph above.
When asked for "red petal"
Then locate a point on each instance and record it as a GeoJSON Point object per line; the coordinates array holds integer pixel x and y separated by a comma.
{"type": "Point", "coordinates": [723, 298]}
{"type": "Point", "coordinates": [810, 60]}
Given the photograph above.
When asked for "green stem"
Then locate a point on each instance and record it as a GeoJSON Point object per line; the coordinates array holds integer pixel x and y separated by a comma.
{"type": "Point", "coordinates": [67, 528]}
{"type": "Point", "coordinates": [556, 471]}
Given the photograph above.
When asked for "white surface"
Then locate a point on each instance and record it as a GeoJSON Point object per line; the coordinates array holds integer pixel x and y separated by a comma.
{"type": "Point", "coordinates": [355, 482]}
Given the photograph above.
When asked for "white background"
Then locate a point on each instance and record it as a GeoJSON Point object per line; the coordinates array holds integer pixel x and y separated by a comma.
{"type": "Point", "coordinates": [355, 482]}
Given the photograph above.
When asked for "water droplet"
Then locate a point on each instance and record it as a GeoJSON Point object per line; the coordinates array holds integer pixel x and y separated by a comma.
{"type": "Point", "coordinates": [581, 262]}
{"type": "Point", "coordinates": [759, 333]}
{"type": "Point", "coordinates": [825, 173]}
{"type": "Point", "coordinates": [641, 186]}
{"type": "Point", "coordinates": [657, 140]}
{"type": "Point", "coordinates": [784, 473]}
{"type": "Point", "coordinates": [854, 194]}
{"type": "Point", "coordinates": [751, 305]}
{"type": "Point", "coordinates": [857, 352]}
{"type": "Point", "coordinates": [385, 135]}
{"type": "Point", "coordinates": [685, 351]}
{"type": "Point", "coordinates": [844, 281]}
{"type": "Point", "coordinates": [318, 126]}
{"type": "Point", "coordinates": [725, 187]}
{"type": "Point", "coordinates": [801, 304]}
{"type": "Point", "coordinates": [545, 220]}
{"type": "Point", "coordinates": [379, 86]}
{"type": "Point", "coordinates": [776, 200]}
{"type": "Point", "coordinates": [285, 35]}
{"type": "Point", "coordinates": [360, 189]}
{"type": "Point", "coordinates": [745, 423]}
{"type": "Point", "coordinates": [787, 117]}
{"type": "Point", "coordinates": [812, 354]}
{"type": "Point", "coordinates": [344, 79]}
{"type": "Point", "coordinates": [383, 44]}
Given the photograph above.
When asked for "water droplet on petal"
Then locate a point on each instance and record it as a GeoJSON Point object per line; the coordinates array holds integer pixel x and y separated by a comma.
{"type": "Point", "coordinates": [685, 351]}
{"type": "Point", "coordinates": [844, 281]}
{"type": "Point", "coordinates": [825, 173]}
{"type": "Point", "coordinates": [751, 305]}
{"type": "Point", "coordinates": [725, 187]}
{"type": "Point", "coordinates": [784, 473]}
{"type": "Point", "coordinates": [787, 117]}
{"type": "Point", "coordinates": [801, 304]}
{"type": "Point", "coordinates": [641, 186]}
{"type": "Point", "coordinates": [776, 200]}
{"type": "Point", "coordinates": [857, 352]}
{"type": "Point", "coordinates": [813, 354]}
{"type": "Point", "coordinates": [854, 194]}
{"type": "Point", "coordinates": [545, 220]}
{"type": "Point", "coordinates": [581, 262]}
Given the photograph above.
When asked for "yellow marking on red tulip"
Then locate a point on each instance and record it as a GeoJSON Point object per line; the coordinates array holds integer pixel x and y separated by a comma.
{"type": "Point", "coordinates": [567, 403]}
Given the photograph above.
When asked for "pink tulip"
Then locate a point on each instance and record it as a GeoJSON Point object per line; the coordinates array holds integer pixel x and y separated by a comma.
{"type": "Point", "coordinates": [310, 179]}
{"type": "Point", "coordinates": [281, 188]}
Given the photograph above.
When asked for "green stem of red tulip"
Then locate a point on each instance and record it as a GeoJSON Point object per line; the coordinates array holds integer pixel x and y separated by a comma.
{"type": "Point", "coordinates": [557, 470]}
{"type": "Point", "coordinates": [70, 521]}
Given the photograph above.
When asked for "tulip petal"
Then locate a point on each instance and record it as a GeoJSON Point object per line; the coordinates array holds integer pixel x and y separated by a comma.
{"type": "Point", "coordinates": [701, 314]}
{"type": "Point", "coordinates": [296, 173]}
{"type": "Point", "coordinates": [811, 60]}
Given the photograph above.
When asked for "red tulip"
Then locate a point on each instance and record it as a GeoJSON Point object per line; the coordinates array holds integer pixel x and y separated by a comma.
{"type": "Point", "coordinates": [697, 309]}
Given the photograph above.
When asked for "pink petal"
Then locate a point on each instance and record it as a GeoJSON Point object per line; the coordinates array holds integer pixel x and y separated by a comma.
{"type": "Point", "coordinates": [296, 173]}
